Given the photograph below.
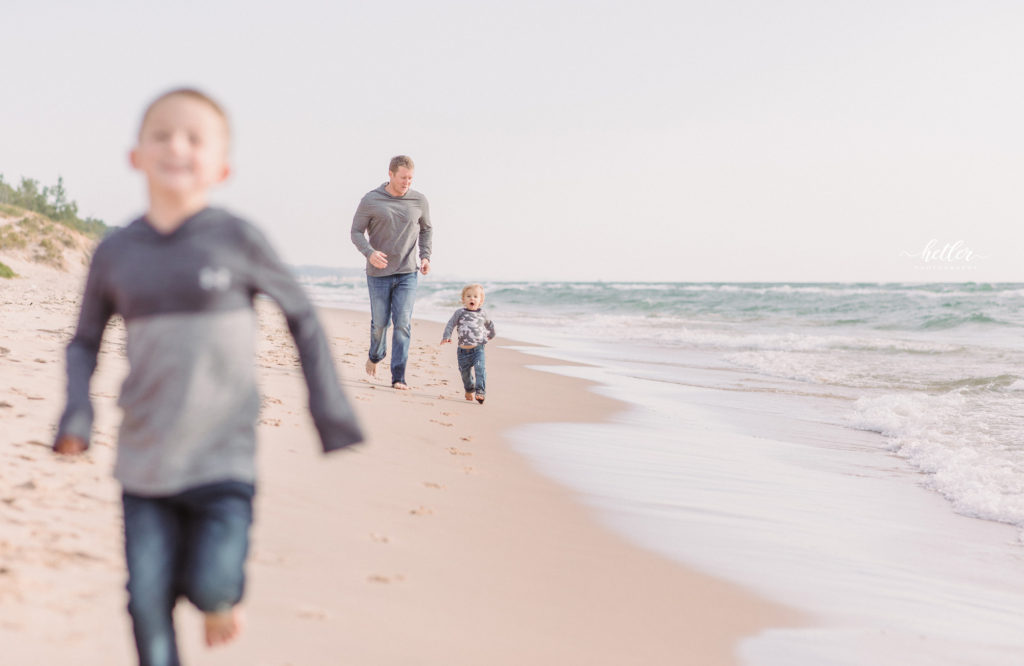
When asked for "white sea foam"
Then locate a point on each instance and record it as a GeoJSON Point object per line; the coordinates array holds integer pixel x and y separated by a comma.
{"type": "Point", "coordinates": [804, 367]}
{"type": "Point", "coordinates": [710, 478]}
{"type": "Point", "coordinates": [968, 445]}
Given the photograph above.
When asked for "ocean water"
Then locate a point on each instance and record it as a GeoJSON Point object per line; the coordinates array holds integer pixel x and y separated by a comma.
{"type": "Point", "coordinates": [855, 451]}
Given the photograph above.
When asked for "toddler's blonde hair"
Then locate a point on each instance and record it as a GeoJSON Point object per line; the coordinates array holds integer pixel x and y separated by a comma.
{"type": "Point", "coordinates": [473, 287]}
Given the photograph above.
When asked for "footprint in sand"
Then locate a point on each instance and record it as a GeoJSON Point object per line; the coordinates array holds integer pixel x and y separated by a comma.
{"type": "Point", "coordinates": [379, 538]}
{"type": "Point", "coordinates": [442, 423]}
{"type": "Point", "coordinates": [466, 438]}
{"type": "Point", "coordinates": [431, 484]}
{"type": "Point", "coordinates": [379, 578]}
{"type": "Point", "coordinates": [307, 613]}
{"type": "Point", "coordinates": [422, 511]}
{"type": "Point", "coordinates": [458, 452]}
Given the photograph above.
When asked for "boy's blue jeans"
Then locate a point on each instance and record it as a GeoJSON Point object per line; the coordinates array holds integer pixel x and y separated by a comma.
{"type": "Point", "coordinates": [391, 299]}
{"type": "Point", "coordinates": [471, 362]}
{"type": "Point", "coordinates": [192, 544]}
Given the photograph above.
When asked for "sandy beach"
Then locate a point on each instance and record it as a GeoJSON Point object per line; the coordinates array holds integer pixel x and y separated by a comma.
{"type": "Point", "coordinates": [432, 543]}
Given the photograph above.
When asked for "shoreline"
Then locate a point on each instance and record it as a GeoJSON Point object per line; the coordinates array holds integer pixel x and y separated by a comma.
{"type": "Point", "coordinates": [712, 463]}
{"type": "Point", "coordinates": [435, 542]}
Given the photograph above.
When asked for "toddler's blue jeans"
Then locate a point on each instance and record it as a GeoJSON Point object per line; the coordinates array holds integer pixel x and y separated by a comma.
{"type": "Point", "coordinates": [192, 544]}
{"type": "Point", "coordinates": [471, 362]}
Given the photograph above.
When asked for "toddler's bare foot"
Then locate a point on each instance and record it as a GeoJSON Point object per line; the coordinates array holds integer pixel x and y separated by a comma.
{"type": "Point", "coordinates": [469, 396]}
{"type": "Point", "coordinates": [371, 368]}
{"type": "Point", "coordinates": [401, 386]}
{"type": "Point", "coordinates": [222, 627]}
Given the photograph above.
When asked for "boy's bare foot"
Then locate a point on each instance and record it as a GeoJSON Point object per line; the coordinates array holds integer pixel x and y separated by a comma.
{"type": "Point", "coordinates": [469, 396]}
{"type": "Point", "coordinates": [401, 386]}
{"type": "Point", "coordinates": [69, 445]}
{"type": "Point", "coordinates": [480, 398]}
{"type": "Point", "coordinates": [222, 627]}
{"type": "Point", "coordinates": [371, 368]}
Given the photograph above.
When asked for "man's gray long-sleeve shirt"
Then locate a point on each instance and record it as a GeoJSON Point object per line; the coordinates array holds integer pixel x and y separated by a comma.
{"type": "Point", "coordinates": [395, 225]}
{"type": "Point", "coordinates": [190, 400]}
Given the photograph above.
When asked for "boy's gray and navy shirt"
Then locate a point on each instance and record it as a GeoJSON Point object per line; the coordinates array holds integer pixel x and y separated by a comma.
{"type": "Point", "coordinates": [190, 400]}
{"type": "Point", "coordinates": [473, 326]}
{"type": "Point", "coordinates": [395, 225]}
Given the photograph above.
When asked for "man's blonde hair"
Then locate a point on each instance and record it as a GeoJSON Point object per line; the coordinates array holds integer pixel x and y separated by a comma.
{"type": "Point", "coordinates": [190, 93]}
{"type": "Point", "coordinates": [400, 161]}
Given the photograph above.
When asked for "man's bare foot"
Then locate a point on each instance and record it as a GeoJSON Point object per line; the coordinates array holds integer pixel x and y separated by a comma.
{"type": "Point", "coordinates": [401, 386]}
{"type": "Point", "coordinates": [222, 627]}
{"type": "Point", "coordinates": [480, 398]}
{"type": "Point", "coordinates": [469, 396]}
{"type": "Point", "coordinates": [371, 368]}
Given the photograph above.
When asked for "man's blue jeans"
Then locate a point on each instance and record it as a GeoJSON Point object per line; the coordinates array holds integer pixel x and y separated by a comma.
{"type": "Point", "coordinates": [391, 300]}
{"type": "Point", "coordinates": [192, 544]}
{"type": "Point", "coordinates": [471, 362]}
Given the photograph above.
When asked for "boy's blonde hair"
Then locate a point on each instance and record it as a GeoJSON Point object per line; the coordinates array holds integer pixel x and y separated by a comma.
{"type": "Point", "coordinates": [400, 161]}
{"type": "Point", "coordinates": [190, 93]}
{"type": "Point", "coordinates": [473, 287]}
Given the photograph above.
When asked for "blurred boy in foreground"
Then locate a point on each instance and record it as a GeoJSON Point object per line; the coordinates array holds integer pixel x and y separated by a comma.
{"type": "Point", "coordinates": [183, 276]}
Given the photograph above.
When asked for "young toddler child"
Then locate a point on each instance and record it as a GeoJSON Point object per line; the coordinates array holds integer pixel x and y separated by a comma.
{"type": "Point", "coordinates": [474, 329]}
{"type": "Point", "coordinates": [183, 277]}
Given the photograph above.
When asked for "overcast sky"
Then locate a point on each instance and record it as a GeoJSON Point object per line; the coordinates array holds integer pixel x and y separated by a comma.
{"type": "Point", "coordinates": [746, 140]}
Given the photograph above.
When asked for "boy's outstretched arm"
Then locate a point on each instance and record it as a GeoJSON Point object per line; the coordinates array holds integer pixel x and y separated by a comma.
{"type": "Point", "coordinates": [333, 417]}
{"type": "Point", "coordinates": [75, 428]}
{"type": "Point", "coordinates": [449, 327]}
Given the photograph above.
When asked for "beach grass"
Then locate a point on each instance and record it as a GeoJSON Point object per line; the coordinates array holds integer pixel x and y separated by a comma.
{"type": "Point", "coordinates": [46, 240]}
